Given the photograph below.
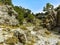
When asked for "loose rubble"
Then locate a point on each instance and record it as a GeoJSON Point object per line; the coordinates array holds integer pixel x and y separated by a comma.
{"type": "Point", "coordinates": [17, 36]}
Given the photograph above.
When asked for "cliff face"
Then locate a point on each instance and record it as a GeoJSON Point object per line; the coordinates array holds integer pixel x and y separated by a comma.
{"type": "Point", "coordinates": [8, 15]}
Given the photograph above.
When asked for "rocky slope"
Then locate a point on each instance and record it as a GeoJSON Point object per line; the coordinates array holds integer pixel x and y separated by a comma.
{"type": "Point", "coordinates": [22, 35]}
{"type": "Point", "coordinates": [8, 15]}
{"type": "Point", "coordinates": [30, 36]}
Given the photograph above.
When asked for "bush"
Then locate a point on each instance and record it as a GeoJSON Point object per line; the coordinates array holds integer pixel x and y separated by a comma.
{"type": "Point", "coordinates": [23, 27]}
{"type": "Point", "coordinates": [20, 18]}
{"type": "Point", "coordinates": [30, 18]}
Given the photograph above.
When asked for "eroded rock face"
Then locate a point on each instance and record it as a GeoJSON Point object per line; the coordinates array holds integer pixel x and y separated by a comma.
{"type": "Point", "coordinates": [51, 20]}
{"type": "Point", "coordinates": [8, 15]}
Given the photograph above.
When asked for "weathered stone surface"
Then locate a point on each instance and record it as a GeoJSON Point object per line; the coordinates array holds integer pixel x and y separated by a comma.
{"type": "Point", "coordinates": [17, 36]}
{"type": "Point", "coordinates": [6, 17]}
{"type": "Point", "coordinates": [51, 20]}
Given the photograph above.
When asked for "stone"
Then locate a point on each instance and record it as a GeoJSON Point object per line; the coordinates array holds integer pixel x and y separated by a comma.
{"type": "Point", "coordinates": [1, 38]}
{"type": "Point", "coordinates": [6, 18]}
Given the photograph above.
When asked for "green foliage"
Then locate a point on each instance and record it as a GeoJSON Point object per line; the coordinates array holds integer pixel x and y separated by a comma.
{"type": "Point", "coordinates": [27, 12]}
{"type": "Point", "coordinates": [23, 27]}
{"type": "Point", "coordinates": [21, 19]}
{"type": "Point", "coordinates": [20, 14]}
{"type": "Point", "coordinates": [30, 18]}
{"type": "Point", "coordinates": [6, 2]}
{"type": "Point", "coordinates": [23, 14]}
{"type": "Point", "coordinates": [48, 7]}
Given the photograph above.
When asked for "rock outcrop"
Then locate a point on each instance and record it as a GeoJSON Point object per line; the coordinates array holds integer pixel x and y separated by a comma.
{"type": "Point", "coordinates": [17, 36]}
{"type": "Point", "coordinates": [23, 35]}
{"type": "Point", "coordinates": [51, 20]}
{"type": "Point", "coordinates": [8, 15]}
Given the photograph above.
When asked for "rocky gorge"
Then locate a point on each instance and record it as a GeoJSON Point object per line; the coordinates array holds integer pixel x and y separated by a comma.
{"type": "Point", "coordinates": [11, 33]}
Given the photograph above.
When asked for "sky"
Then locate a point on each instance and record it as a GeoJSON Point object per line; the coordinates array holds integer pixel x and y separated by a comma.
{"type": "Point", "coordinates": [35, 6]}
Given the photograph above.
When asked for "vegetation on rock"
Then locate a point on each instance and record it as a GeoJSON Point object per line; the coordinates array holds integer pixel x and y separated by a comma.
{"type": "Point", "coordinates": [20, 26]}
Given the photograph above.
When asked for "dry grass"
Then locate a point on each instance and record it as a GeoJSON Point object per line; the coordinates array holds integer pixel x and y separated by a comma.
{"type": "Point", "coordinates": [11, 40]}
{"type": "Point", "coordinates": [8, 26]}
{"type": "Point", "coordinates": [23, 27]}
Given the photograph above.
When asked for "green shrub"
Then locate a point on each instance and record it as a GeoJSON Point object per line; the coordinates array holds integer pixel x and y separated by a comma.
{"type": "Point", "coordinates": [21, 19]}
{"type": "Point", "coordinates": [30, 18]}
{"type": "Point", "coordinates": [23, 27]}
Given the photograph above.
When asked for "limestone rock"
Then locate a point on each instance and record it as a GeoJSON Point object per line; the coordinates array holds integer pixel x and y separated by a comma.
{"type": "Point", "coordinates": [8, 15]}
